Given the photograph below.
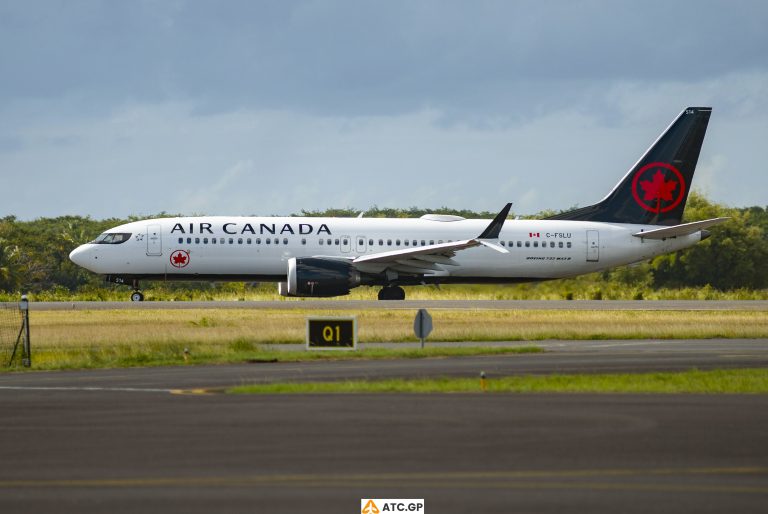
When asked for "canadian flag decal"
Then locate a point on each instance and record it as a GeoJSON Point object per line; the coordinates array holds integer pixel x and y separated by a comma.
{"type": "Point", "coordinates": [534, 234]}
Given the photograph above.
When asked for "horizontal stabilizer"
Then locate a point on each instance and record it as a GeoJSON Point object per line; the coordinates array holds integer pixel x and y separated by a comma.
{"type": "Point", "coordinates": [679, 230]}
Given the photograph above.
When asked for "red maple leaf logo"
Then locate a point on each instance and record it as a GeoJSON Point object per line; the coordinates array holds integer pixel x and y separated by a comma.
{"type": "Point", "coordinates": [179, 258]}
{"type": "Point", "coordinates": [658, 188]}
{"type": "Point", "coordinates": [658, 194]}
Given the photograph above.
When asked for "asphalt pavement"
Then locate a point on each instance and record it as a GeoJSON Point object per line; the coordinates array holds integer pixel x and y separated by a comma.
{"type": "Point", "coordinates": [111, 451]}
{"type": "Point", "coordinates": [153, 440]}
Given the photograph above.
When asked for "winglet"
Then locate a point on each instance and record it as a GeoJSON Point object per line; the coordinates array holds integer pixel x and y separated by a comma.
{"type": "Point", "coordinates": [492, 231]}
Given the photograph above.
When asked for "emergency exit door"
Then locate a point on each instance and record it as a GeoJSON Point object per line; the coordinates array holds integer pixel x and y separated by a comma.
{"type": "Point", "coordinates": [593, 246]}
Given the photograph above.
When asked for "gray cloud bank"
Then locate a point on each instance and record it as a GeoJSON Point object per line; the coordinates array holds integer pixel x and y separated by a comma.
{"type": "Point", "coordinates": [113, 108]}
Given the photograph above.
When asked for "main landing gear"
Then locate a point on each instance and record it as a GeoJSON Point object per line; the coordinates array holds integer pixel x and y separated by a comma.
{"type": "Point", "coordinates": [392, 293]}
{"type": "Point", "coordinates": [136, 296]}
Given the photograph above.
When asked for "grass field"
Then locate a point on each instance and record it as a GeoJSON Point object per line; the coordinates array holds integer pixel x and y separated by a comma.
{"type": "Point", "coordinates": [85, 339]}
{"type": "Point", "coordinates": [190, 327]}
{"type": "Point", "coordinates": [586, 287]}
{"type": "Point", "coordinates": [743, 381]}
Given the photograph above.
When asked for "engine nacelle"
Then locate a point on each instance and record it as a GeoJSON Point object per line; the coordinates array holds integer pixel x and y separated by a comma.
{"type": "Point", "coordinates": [310, 276]}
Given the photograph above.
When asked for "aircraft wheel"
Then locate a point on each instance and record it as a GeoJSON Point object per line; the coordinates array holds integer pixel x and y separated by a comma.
{"type": "Point", "coordinates": [392, 293]}
{"type": "Point", "coordinates": [137, 296]}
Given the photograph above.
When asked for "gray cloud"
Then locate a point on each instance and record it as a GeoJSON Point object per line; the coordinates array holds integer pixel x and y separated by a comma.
{"type": "Point", "coordinates": [112, 108]}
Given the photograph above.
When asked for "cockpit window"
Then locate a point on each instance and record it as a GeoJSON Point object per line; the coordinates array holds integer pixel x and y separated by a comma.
{"type": "Point", "coordinates": [111, 238]}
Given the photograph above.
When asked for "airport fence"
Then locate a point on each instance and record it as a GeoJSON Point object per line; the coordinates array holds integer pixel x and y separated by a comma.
{"type": "Point", "coordinates": [14, 333]}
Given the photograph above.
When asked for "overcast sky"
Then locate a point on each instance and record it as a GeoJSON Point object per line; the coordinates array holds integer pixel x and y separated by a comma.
{"type": "Point", "coordinates": [253, 107]}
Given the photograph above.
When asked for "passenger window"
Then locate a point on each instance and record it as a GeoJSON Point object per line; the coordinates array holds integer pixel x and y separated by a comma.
{"type": "Point", "coordinates": [336, 242]}
{"type": "Point", "coordinates": [431, 241]}
{"type": "Point", "coordinates": [519, 244]}
{"type": "Point", "coordinates": [381, 242]}
{"type": "Point", "coordinates": [189, 240]}
{"type": "Point", "coordinates": [370, 242]}
{"type": "Point", "coordinates": [560, 244]}
{"type": "Point", "coordinates": [406, 242]}
{"type": "Point", "coordinates": [321, 242]}
{"type": "Point", "coordinates": [239, 240]}
{"type": "Point", "coordinates": [535, 244]}
{"type": "Point", "coordinates": [205, 240]}
{"type": "Point", "coordinates": [502, 243]}
{"type": "Point", "coordinates": [267, 240]}
{"type": "Point", "coordinates": [552, 244]}
{"type": "Point", "coordinates": [423, 243]}
{"type": "Point", "coordinates": [285, 240]}
{"type": "Point", "coordinates": [181, 240]}
{"type": "Point", "coordinates": [328, 241]}
{"type": "Point", "coordinates": [397, 242]}
{"type": "Point", "coordinates": [258, 240]}
{"type": "Point", "coordinates": [527, 244]}
{"type": "Point", "coordinates": [248, 240]}
{"type": "Point", "coordinates": [360, 242]}
{"type": "Point", "coordinates": [415, 243]}
{"type": "Point", "coordinates": [440, 241]}
{"type": "Point", "coordinates": [197, 240]}
{"type": "Point", "coordinates": [303, 241]}
{"type": "Point", "coordinates": [213, 240]}
{"type": "Point", "coordinates": [344, 241]}
{"type": "Point", "coordinates": [568, 244]}
{"type": "Point", "coordinates": [277, 241]}
{"type": "Point", "coordinates": [231, 240]}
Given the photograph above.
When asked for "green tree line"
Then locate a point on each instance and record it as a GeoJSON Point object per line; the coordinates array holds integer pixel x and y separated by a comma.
{"type": "Point", "coordinates": [34, 254]}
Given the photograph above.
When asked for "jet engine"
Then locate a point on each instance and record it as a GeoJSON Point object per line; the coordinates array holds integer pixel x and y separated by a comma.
{"type": "Point", "coordinates": [310, 276]}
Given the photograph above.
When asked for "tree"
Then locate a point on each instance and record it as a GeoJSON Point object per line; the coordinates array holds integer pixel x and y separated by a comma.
{"type": "Point", "coordinates": [9, 270]}
{"type": "Point", "coordinates": [735, 256]}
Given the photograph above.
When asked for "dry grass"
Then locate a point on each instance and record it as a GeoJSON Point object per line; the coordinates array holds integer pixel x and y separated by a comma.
{"type": "Point", "coordinates": [86, 328]}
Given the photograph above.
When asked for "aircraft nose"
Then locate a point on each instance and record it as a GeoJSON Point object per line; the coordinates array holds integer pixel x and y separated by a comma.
{"type": "Point", "coordinates": [78, 255]}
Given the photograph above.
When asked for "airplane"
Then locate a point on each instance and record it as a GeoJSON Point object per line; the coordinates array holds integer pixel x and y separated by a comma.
{"type": "Point", "coordinates": [640, 218]}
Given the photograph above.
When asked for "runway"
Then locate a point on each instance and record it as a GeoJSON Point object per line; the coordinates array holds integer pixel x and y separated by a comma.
{"type": "Point", "coordinates": [80, 451]}
{"type": "Point", "coordinates": [320, 304]}
{"type": "Point", "coordinates": [145, 439]}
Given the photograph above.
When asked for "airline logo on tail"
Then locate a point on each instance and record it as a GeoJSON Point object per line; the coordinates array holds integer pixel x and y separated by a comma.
{"type": "Point", "coordinates": [658, 187]}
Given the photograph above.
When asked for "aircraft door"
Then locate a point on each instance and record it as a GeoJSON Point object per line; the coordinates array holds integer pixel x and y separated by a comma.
{"type": "Point", "coordinates": [346, 244]}
{"type": "Point", "coordinates": [154, 240]}
{"type": "Point", "coordinates": [593, 245]}
{"type": "Point", "coordinates": [361, 244]}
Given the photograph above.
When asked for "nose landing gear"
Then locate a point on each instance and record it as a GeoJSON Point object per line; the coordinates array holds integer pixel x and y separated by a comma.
{"type": "Point", "coordinates": [392, 293]}
{"type": "Point", "coordinates": [136, 296]}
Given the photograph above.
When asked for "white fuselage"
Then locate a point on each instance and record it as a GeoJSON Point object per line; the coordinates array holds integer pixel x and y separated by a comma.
{"type": "Point", "coordinates": [259, 248]}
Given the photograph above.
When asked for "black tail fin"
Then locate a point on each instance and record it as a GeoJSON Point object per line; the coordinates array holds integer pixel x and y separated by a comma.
{"type": "Point", "coordinates": [655, 189]}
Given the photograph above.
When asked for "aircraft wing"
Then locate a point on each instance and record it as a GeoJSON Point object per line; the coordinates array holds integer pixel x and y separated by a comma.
{"type": "Point", "coordinates": [679, 230]}
{"type": "Point", "coordinates": [427, 259]}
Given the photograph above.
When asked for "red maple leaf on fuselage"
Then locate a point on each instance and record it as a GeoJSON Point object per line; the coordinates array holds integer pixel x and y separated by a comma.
{"type": "Point", "coordinates": [179, 258]}
{"type": "Point", "coordinates": [658, 188]}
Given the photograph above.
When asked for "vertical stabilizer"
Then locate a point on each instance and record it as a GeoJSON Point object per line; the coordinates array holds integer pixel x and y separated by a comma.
{"type": "Point", "coordinates": [655, 189]}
